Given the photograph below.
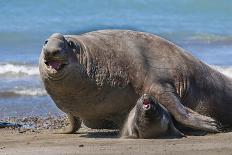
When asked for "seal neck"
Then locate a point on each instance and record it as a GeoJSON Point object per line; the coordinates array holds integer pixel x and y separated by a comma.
{"type": "Point", "coordinates": [83, 57]}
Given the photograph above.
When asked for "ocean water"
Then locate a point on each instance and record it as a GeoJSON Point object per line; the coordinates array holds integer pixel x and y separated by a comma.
{"type": "Point", "coordinates": [203, 27]}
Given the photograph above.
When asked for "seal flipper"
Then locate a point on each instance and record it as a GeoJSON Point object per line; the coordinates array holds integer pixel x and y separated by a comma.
{"type": "Point", "coordinates": [174, 132]}
{"type": "Point", "coordinates": [74, 125]}
{"type": "Point", "coordinates": [133, 135]}
{"type": "Point", "coordinates": [170, 100]}
{"type": "Point", "coordinates": [129, 129]}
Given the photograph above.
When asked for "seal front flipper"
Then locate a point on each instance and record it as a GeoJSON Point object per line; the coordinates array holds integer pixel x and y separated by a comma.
{"type": "Point", "coordinates": [129, 130]}
{"type": "Point", "coordinates": [171, 101]}
{"type": "Point", "coordinates": [74, 125]}
{"type": "Point", "coordinates": [174, 132]}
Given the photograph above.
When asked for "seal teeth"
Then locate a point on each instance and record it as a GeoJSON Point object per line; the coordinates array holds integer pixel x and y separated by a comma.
{"type": "Point", "coordinates": [146, 106]}
{"type": "Point", "coordinates": [55, 64]}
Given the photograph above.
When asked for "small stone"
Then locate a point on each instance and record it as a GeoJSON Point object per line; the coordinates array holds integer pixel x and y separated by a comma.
{"type": "Point", "coordinates": [81, 145]}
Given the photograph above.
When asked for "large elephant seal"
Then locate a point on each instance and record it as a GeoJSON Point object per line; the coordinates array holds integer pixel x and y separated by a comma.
{"type": "Point", "coordinates": [99, 76]}
{"type": "Point", "coordinates": [149, 119]}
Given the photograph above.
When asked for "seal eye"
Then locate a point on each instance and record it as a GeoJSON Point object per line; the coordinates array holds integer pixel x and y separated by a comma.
{"type": "Point", "coordinates": [45, 42]}
{"type": "Point", "coordinates": [75, 47]}
{"type": "Point", "coordinates": [71, 44]}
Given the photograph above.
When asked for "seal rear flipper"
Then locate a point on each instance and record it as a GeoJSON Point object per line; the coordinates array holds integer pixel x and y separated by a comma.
{"type": "Point", "coordinates": [74, 125]}
{"type": "Point", "coordinates": [170, 100]}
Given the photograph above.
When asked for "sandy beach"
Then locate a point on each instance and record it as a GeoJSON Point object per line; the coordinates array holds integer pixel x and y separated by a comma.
{"type": "Point", "coordinates": [84, 143]}
{"type": "Point", "coordinates": [40, 140]}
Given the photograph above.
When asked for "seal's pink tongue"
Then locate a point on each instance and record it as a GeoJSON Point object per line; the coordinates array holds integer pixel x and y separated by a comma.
{"type": "Point", "coordinates": [146, 104]}
{"type": "Point", "coordinates": [55, 64]}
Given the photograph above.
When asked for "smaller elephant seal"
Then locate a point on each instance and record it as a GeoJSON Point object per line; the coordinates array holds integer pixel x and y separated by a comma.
{"type": "Point", "coordinates": [149, 119]}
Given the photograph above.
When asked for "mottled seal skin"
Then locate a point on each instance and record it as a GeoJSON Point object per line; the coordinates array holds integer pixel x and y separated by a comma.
{"type": "Point", "coordinates": [98, 76]}
{"type": "Point", "coordinates": [149, 119]}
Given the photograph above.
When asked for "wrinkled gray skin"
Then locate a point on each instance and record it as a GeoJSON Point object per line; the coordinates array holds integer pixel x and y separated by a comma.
{"type": "Point", "coordinates": [149, 119]}
{"type": "Point", "coordinates": [103, 73]}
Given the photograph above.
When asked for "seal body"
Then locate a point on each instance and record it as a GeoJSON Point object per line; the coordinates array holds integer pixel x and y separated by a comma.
{"type": "Point", "coordinates": [149, 119]}
{"type": "Point", "coordinates": [98, 76]}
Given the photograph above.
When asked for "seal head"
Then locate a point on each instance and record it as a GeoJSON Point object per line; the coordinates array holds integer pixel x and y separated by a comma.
{"type": "Point", "coordinates": [149, 119]}
{"type": "Point", "coordinates": [56, 56]}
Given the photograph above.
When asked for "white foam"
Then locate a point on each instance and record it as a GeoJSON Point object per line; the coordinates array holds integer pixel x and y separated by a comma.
{"type": "Point", "coordinates": [12, 69]}
{"type": "Point", "coordinates": [31, 92]}
{"type": "Point", "coordinates": [6, 69]}
{"type": "Point", "coordinates": [226, 70]}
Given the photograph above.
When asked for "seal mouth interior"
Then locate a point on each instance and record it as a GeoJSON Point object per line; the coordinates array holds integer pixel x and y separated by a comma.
{"type": "Point", "coordinates": [146, 104]}
{"type": "Point", "coordinates": [56, 64]}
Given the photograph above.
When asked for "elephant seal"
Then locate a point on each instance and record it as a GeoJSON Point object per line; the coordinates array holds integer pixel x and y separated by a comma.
{"type": "Point", "coordinates": [97, 77]}
{"type": "Point", "coordinates": [149, 119]}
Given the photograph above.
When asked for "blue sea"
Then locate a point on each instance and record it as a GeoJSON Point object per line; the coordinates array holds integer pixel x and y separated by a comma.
{"type": "Point", "coordinates": [203, 27]}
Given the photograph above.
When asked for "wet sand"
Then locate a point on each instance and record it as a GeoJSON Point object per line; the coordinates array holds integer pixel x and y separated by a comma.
{"type": "Point", "coordinates": [39, 141]}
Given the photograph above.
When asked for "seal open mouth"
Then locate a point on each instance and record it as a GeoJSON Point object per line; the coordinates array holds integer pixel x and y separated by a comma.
{"type": "Point", "coordinates": [56, 64]}
{"type": "Point", "coordinates": [146, 104]}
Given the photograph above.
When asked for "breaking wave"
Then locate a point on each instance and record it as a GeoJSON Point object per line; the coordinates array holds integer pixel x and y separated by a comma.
{"type": "Point", "coordinates": [18, 69]}
{"type": "Point", "coordinates": [226, 70]}
{"type": "Point", "coordinates": [202, 38]}
{"type": "Point", "coordinates": [23, 70]}
{"type": "Point", "coordinates": [23, 92]}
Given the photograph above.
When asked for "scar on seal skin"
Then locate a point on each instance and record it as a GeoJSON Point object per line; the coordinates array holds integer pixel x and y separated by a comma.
{"type": "Point", "coordinates": [149, 119]}
{"type": "Point", "coordinates": [97, 77]}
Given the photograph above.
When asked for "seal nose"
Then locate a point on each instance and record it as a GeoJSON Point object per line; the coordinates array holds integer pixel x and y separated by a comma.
{"type": "Point", "coordinates": [51, 53]}
{"type": "Point", "coordinates": [52, 47]}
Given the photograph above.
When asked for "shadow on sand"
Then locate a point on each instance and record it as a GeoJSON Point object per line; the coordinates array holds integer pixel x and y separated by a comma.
{"type": "Point", "coordinates": [100, 134]}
